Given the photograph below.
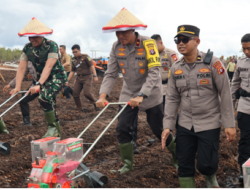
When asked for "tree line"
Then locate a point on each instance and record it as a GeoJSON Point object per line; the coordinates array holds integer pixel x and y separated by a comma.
{"type": "Point", "coordinates": [9, 55]}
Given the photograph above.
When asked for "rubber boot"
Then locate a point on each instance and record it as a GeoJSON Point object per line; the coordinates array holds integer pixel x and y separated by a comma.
{"type": "Point", "coordinates": [211, 181]}
{"type": "Point", "coordinates": [241, 174]}
{"type": "Point", "coordinates": [26, 121]}
{"type": "Point", "coordinates": [172, 147]}
{"type": "Point", "coordinates": [126, 150]}
{"type": "Point", "coordinates": [3, 128]}
{"type": "Point", "coordinates": [135, 148]}
{"type": "Point", "coordinates": [52, 126]}
{"type": "Point", "coordinates": [187, 182]}
{"type": "Point", "coordinates": [58, 129]}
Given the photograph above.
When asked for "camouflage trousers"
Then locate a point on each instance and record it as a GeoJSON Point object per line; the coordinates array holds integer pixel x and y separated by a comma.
{"type": "Point", "coordinates": [48, 93]}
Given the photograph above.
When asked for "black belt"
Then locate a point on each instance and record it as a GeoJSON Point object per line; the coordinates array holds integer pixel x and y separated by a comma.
{"type": "Point", "coordinates": [165, 81]}
{"type": "Point", "coordinates": [83, 75]}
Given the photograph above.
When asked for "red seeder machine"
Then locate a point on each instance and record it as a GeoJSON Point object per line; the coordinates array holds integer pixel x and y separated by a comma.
{"type": "Point", "coordinates": [57, 163]}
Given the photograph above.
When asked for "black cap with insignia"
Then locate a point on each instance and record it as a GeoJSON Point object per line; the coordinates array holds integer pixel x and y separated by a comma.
{"type": "Point", "coordinates": [188, 30]}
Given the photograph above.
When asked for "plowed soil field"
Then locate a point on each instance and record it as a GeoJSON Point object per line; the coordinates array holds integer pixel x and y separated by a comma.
{"type": "Point", "coordinates": [152, 166]}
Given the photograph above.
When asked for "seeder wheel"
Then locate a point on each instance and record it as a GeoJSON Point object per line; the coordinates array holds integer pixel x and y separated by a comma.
{"type": "Point", "coordinates": [5, 148]}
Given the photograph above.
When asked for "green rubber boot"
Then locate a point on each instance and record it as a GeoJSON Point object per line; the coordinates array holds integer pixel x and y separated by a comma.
{"type": "Point", "coordinates": [211, 181]}
{"type": "Point", "coordinates": [172, 147]}
{"type": "Point", "coordinates": [126, 150]}
{"type": "Point", "coordinates": [187, 182]}
{"type": "Point", "coordinates": [53, 126]}
{"type": "Point", "coordinates": [3, 128]}
{"type": "Point", "coordinates": [58, 129]}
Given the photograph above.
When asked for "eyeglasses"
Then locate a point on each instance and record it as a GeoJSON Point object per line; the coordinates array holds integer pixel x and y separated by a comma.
{"type": "Point", "coordinates": [184, 40]}
{"type": "Point", "coordinates": [75, 52]}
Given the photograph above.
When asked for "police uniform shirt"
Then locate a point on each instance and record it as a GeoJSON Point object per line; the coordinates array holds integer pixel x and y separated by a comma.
{"type": "Point", "coordinates": [167, 58]}
{"type": "Point", "coordinates": [137, 77]}
{"type": "Point", "coordinates": [241, 79]}
{"type": "Point", "coordinates": [197, 92]}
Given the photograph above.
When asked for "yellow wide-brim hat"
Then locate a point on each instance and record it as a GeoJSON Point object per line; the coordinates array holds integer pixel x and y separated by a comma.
{"type": "Point", "coordinates": [35, 28]}
{"type": "Point", "coordinates": [124, 20]}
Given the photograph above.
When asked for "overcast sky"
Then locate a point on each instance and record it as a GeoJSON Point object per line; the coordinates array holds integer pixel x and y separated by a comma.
{"type": "Point", "coordinates": [222, 22]}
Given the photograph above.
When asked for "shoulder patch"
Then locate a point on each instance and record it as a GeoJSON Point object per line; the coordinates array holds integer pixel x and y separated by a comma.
{"type": "Point", "coordinates": [221, 70]}
{"type": "Point", "coordinates": [174, 57]}
{"type": "Point", "coordinates": [217, 65]}
{"type": "Point", "coordinates": [89, 58]}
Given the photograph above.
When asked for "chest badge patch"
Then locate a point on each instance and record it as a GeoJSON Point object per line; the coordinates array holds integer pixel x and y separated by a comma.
{"type": "Point", "coordinates": [121, 49]}
{"type": "Point", "coordinates": [178, 72]}
{"type": "Point", "coordinates": [165, 56]}
{"type": "Point", "coordinates": [140, 50]}
{"type": "Point", "coordinates": [174, 57]}
{"type": "Point", "coordinates": [123, 71]}
{"type": "Point", "coordinates": [121, 64]}
{"type": "Point", "coordinates": [204, 70]}
{"type": "Point", "coordinates": [121, 54]}
{"type": "Point", "coordinates": [142, 71]}
{"type": "Point", "coordinates": [140, 64]}
{"type": "Point", "coordinates": [165, 68]}
{"type": "Point", "coordinates": [204, 81]}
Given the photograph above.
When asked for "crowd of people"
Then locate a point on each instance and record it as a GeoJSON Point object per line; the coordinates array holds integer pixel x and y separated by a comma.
{"type": "Point", "coordinates": [155, 80]}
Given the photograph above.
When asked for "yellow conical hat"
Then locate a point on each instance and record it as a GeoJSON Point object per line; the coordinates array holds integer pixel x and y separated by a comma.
{"type": "Point", "coordinates": [35, 28]}
{"type": "Point", "coordinates": [124, 20]}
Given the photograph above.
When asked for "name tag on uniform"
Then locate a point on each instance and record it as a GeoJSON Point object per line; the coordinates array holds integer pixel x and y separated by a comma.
{"type": "Point", "coordinates": [78, 66]}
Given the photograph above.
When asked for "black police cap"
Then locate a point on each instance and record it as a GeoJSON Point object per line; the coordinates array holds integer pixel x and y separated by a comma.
{"type": "Point", "coordinates": [188, 30]}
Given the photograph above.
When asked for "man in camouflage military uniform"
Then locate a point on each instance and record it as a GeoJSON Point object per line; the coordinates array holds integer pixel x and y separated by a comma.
{"type": "Point", "coordinates": [43, 54]}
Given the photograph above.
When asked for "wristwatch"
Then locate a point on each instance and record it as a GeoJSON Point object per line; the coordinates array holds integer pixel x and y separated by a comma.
{"type": "Point", "coordinates": [38, 83]}
{"type": "Point", "coordinates": [94, 75]}
{"type": "Point", "coordinates": [142, 95]}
